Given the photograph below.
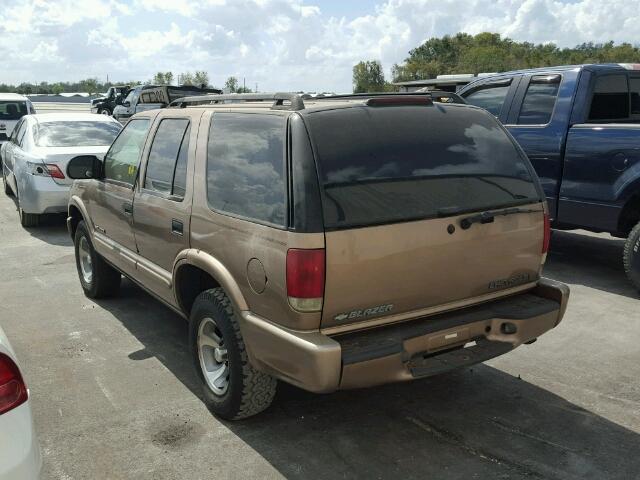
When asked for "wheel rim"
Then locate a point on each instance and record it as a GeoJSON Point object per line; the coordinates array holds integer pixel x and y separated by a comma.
{"type": "Point", "coordinates": [212, 353]}
{"type": "Point", "coordinates": [105, 112]}
{"type": "Point", "coordinates": [84, 255]}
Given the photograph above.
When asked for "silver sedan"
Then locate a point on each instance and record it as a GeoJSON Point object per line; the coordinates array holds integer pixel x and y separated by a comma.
{"type": "Point", "coordinates": [34, 160]}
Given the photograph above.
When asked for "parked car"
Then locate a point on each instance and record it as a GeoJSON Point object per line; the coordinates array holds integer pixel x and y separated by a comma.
{"type": "Point", "coordinates": [36, 157]}
{"type": "Point", "coordinates": [105, 104]}
{"type": "Point", "coordinates": [331, 243]}
{"type": "Point", "coordinates": [580, 127]}
{"type": "Point", "coordinates": [12, 108]}
{"type": "Point", "coordinates": [152, 97]}
{"type": "Point", "coordinates": [20, 457]}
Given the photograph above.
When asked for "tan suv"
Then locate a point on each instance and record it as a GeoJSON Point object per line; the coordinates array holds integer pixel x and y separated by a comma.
{"type": "Point", "coordinates": [330, 243]}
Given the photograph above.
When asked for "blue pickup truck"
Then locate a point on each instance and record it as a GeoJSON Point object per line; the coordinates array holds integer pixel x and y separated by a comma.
{"type": "Point", "coordinates": [580, 126]}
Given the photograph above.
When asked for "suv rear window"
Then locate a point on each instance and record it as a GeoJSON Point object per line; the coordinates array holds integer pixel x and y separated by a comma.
{"type": "Point", "coordinates": [12, 110]}
{"type": "Point", "coordinates": [391, 164]}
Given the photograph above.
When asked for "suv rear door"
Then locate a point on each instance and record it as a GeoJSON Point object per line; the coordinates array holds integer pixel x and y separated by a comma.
{"type": "Point", "coordinates": [396, 183]}
{"type": "Point", "coordinates": [162, 202]}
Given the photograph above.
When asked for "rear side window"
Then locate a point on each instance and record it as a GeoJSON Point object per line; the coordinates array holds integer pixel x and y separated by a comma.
{"type": "Point", "coordinates": [245, 166]}
{"type": "Point", "coordinates": [391, 164]}
{"type": "Point", "coordinates": [610, 99]}
{"type": "Point", "coordinates": [539, 100]}
{"type": "Point", "coordinates": [167, 163]}
{"type": "Point", "coordinates": [490, 97]}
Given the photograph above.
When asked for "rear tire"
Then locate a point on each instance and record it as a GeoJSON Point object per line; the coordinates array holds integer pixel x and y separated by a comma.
{"type": "Point", "coordinates": [5, 185]}
{"type": "Point", "coordinates": [104, 111]}
{"type": "Point", "coordinates": [28, 220]}
{"type": "Point", "coordinates": [232, 388]}
{"type": "Point", "coordinates": [631, 257]}
{"type": "Point", "coordinates": [97, 277]}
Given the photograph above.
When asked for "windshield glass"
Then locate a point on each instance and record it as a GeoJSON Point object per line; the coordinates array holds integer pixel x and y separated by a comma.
{"type": "Point", "coordinates": [389, 164]}
{"type": "Point", "coordinates": [76, 134]}
{"type": "Point", "coordinates": [12, 110]}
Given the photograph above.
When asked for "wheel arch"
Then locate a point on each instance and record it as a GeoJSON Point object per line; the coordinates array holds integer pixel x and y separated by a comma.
{"type": "Point", "coordinates": [630, 214]}
{"type": "Point", "coordinates": [77, 212]}
{"type": "Point", "coordinates": [195, 271]}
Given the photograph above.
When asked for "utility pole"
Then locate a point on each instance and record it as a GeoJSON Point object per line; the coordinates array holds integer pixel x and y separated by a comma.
{"type": "Point", "coordinates": [244, 85]}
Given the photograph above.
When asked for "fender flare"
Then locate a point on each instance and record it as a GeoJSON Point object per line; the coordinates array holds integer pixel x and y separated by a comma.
{"type": "Point", "coordinates": [213, 267]}
{"type": "Point", "coordinates": [75, 201]}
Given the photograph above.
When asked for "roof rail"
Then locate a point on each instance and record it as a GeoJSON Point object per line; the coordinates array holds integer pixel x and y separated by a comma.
{"type": "Point", "coordinates": [436, 95]}
{"type": "Point", "coordinates": [278, 99]}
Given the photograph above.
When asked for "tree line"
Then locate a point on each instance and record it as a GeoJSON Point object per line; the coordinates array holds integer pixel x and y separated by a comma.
{"type": "Point", "coordinates": [93, 85]}
{"type": "Point", "coordinates": [484, 52]}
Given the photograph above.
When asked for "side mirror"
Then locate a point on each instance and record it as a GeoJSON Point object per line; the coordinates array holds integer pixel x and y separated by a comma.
{"type": "Point", "coordinates": [84, 167]}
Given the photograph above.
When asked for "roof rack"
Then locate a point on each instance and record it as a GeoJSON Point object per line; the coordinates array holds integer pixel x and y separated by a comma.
{"type": "Point", "coordinates": [295, 100]}
{"type": "Point", "coordinates": [434, 94]}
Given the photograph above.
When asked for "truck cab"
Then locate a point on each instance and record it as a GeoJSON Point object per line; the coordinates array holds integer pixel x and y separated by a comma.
{"type": "Point", "coordinates": [580, 127]}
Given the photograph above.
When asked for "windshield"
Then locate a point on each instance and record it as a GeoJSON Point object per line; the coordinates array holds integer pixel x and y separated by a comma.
{"type": "Point", "coordinates": [389, 164]}
{"type": "Point", "coordinates": [76, 134]}
{"type": "Point", "coordinates": [12, 110]}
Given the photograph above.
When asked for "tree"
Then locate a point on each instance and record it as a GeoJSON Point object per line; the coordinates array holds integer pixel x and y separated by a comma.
{"type": "Point", "coordinates": [368, 77]}
{"type": "Point", "coordinates": [231, 84]}
{"type": "Point", "coordinates": [57, 89]}
{"type": "Point", "coordinates": [201, 78]}
{"type": "Point", "coordinates": [89, 85]}
{"type": "Point", "coordinates": [168, 78]}
{"type": "Point", "coordinates": [186, 78]}
{"type": "Point", "coordinates": [159, 79]}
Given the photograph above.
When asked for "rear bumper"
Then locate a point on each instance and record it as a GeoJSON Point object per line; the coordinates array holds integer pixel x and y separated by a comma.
{"type": "Point", "coordinates": [407, 350]}
{"type": "Point", "coordinates": [20, 456]}
{"type": "Point", "coordinates": [43, 195]}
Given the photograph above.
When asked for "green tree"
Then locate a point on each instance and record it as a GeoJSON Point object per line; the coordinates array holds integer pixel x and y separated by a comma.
{"type": "Point", "coordinates": [159, 79]}
{"type": "Point", "coordinates": [368, 77]}
{"type": "Point", "coordinates": [186, 78]}
{"type": "Point", "coordinates": [231, 84]}
{"type": "Point", "coordinates": [201, 78]}
{"type": "Point", "coordinates": [57, 89]}
{"type": "Point", "coordinates": [168, 78]}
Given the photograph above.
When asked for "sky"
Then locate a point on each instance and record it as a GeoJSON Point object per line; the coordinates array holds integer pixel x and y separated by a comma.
{"type": "Point", "coordinates": [280, 45]}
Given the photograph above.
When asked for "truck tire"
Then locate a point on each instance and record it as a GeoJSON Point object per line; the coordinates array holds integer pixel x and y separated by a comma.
{"type": "Point", "coordinates": [104, 111]}
{"type": "Point", "coordinates": [232, 388]}
{"type": "Point", "coordinates": [97, 277]}
{"type": "Point", "coordinates": [632, 257]}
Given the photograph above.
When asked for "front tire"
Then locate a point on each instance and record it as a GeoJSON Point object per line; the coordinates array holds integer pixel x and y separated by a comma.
{"type": "Point", "coordinates": [104, 111]}
{"type": "Point", "coordinates": [97, 277]}
{"type": "Point", "coordinates": [232, 388]}
{"type": "Point", "coordinates": [632, 257]}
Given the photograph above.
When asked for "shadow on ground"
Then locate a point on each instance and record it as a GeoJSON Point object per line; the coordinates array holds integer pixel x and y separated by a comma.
{"type": "Point", "coordinates": [474, 423]}
{"type": "Point", "coordinates": [588, 260]}
{"type": "Point", "coordinates": [51, 229]}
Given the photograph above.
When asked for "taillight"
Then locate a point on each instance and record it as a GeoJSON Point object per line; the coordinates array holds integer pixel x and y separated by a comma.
{"type": "Point", "coordinates": [54, 171]}
{"type": "Point", "coordinates": [13, 391]}
{"type": "Point", "coordinates": [547, 234]}
{"type": "Point", "coordinates": [305, 279]}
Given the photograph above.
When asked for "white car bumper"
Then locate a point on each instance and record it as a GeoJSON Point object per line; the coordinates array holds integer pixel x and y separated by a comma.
{"type": "Point", "coordinates": [42, 195]}
{"type": "Point", "coordinates": [20, 457]}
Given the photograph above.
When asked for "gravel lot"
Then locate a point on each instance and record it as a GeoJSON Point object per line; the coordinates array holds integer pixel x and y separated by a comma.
{"type": "Point", "coordinates": [115, 396]}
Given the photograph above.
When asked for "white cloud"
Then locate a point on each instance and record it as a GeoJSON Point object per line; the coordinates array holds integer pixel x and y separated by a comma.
{"type": "Point", "coordinates": [280, 44]}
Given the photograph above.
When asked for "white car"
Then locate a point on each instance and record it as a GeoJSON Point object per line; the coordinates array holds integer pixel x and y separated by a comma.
{"type": "Point", "coordinates": [12, 108]}
{"type": "Point", "coordinates": [20, 457]}
{"type": "Point", "coordinates": [36, 156]}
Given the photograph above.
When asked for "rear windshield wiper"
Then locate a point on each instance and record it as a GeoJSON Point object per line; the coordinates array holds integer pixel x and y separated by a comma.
{"type": "Point", "coordinates": [490, 215]}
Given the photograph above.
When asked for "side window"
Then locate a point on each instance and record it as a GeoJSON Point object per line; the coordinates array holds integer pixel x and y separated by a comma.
{"type": "Point", "coordinates": [122, 159]}
{"type": "Point", "coordinates": [167, 164]}
{"type": "Point", "coordinates": [16, 131]}
{"type": "Point", "coordinates": [539, 100]}
{"type": "Point", "coordinates": [610, 99]}
{"type": "Point", "coordinates": [634, 87]}
{"type": "Point", "coordinates": [22, 133]}
{"type": "Point", "coordinates": [129, 97]}
{"type": "Point", "coordinates": [490, 97]}
{"type": "Point", "coordinates": [245, 166]}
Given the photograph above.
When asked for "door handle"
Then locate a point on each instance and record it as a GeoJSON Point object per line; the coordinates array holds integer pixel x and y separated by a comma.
{"type": "Point", "coordinates": [177, 227]}
{"type": "Point", "coordinates": [128, 208]}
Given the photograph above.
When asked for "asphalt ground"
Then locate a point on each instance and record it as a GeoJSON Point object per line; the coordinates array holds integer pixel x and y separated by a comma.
{"type": "Point", "coordinates": [115, 395]}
